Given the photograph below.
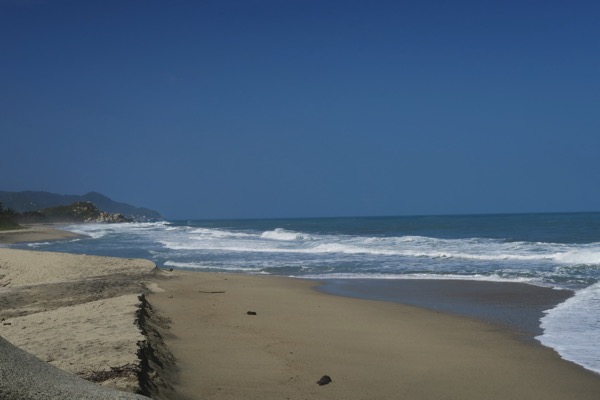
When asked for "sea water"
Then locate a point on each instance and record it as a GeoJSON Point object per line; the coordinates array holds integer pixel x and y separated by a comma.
{"type": "Point", "coordinates": [560, 251]}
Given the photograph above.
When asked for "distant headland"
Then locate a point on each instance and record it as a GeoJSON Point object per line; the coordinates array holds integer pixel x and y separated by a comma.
{"type": "Point", "coordinates": [45, 207]}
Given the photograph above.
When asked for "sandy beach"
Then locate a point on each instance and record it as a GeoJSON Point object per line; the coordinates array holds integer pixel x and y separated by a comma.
{"type": "Point", "coordinates": [36, 233]}
{"type": "Point", "coordinates": [125, 324]}
{"type": "Point", "coordinates": [370, 349]}
{"type": "Point", "coordinates": [77, 313]}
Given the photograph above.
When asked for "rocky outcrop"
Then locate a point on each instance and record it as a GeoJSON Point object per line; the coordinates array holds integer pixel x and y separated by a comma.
{"type": "Point", "coordinates": [77, 212]}
{"type": "Point", "coordinates": [107, 217]}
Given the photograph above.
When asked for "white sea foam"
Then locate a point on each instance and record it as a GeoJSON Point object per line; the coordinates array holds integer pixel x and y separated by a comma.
{"type": "Point", "coordinates": [283, 241]}
{"type": "Point", "coordinates": [282, 234]}
{"type": "Point", "coordinates": [455, 277]}
{"type": "Point", "coordinates": [99, 230]}
{"type": "Point", "coordinates": [579, 256]}
{"type": "Point", "coordinates": [573, 328]}
{"type": "Point", "coordinates": [279, 240]}
{"type": "Point", "coordinates": [206, 266]}
{"type": "Point", "coordinates": [347, 248]}
{"type": "Point", "coordinates": [95, 231]}
{"type": "Point", "coordinates": [219, 233]}
{"type": "Point", "coordinates": [37, 244]}
{"type": "Point", "coordinates": [42, 244]}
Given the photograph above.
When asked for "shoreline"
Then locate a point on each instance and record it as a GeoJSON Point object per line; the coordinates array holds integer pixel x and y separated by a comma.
{"type": "Point", "coordinates": [515, 306]}
{"type": "Point", "coordinates": [36, 233]}
{"type": "Point", "coordinates": [370, 349]}
{"type": "Point", "coordinates": [192, 336]}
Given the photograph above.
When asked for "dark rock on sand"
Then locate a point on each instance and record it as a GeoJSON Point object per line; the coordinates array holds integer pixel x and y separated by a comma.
{"type": "Point", "coordinates": [325, 379]}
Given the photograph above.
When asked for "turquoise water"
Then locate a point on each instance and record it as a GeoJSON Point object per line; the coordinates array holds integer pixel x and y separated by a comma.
{"type": "Point", "coordinates": [554, 250]}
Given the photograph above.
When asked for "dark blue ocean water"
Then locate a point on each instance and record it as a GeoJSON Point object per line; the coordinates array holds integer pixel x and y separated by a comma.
{"type": "Point", "coordinates": [553, 250]}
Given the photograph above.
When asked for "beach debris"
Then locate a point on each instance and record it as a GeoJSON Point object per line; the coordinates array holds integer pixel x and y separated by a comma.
{"type": "Point", "coordinates": [211, 291]}
{"type": "Point", "coordinates": [251, 313]}
{"type": "Point", "coordinates": [325, 379]}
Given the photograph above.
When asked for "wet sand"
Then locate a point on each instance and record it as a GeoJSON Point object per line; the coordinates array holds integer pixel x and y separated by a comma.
{"type": "Point", "coordinates": [370, 349]}
{"type": "Point", "coordinates": [36, 233]}
{"type": "Point", "coordinates": [516, 306]}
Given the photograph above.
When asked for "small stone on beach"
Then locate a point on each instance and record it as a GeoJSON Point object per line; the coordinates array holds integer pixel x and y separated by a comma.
{"type": "Point", "coordinates": [251, 313]}
{"type": "Point", "coordinates": [325, 379]}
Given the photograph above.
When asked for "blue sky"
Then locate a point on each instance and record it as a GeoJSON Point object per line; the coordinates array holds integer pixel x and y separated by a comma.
{"type": "Point", "coordinates": [243, 109]}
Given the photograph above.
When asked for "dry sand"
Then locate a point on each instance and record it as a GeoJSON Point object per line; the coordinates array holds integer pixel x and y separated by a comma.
{"type": "Point", "coordinates": [370, 349]}
{"type": "Point", "coordinates": [75, 312]}
{"type": "Point", "coordinates": [25, 377]}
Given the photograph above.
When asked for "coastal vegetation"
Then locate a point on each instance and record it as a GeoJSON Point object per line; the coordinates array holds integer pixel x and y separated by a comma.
{"type": "Point", "coordinates": [76, 212]}
{"type": "Point", "coordinates": [8, 218]}
{"type": "Point", "coordinates": [81, 212]}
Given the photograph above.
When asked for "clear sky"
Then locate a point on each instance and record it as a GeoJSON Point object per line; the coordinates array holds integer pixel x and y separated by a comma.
{"type": "Point", "coordinates": [295, 108]}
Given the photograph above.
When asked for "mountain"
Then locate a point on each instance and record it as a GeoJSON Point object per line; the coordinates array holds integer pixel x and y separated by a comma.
{"type": "Point", "coordinates": [36, 201]}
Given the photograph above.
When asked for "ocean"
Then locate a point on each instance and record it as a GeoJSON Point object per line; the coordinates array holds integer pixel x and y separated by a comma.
{"type": "Point", "coordinates": [559, 251]}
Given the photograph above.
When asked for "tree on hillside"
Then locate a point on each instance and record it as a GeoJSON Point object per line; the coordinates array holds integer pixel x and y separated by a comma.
{"type": "Point", "coordinates": [9, 212]}
{"type": "Point", "coordinates": [8, 218]}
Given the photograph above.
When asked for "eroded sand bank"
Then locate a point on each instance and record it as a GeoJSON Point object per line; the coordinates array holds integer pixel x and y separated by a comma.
{"type": "Point", "coordinates": [75, 312]}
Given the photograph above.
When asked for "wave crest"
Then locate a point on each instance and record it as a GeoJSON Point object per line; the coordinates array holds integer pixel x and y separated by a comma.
{"type": "Point", "coordinates": [282, 234]}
